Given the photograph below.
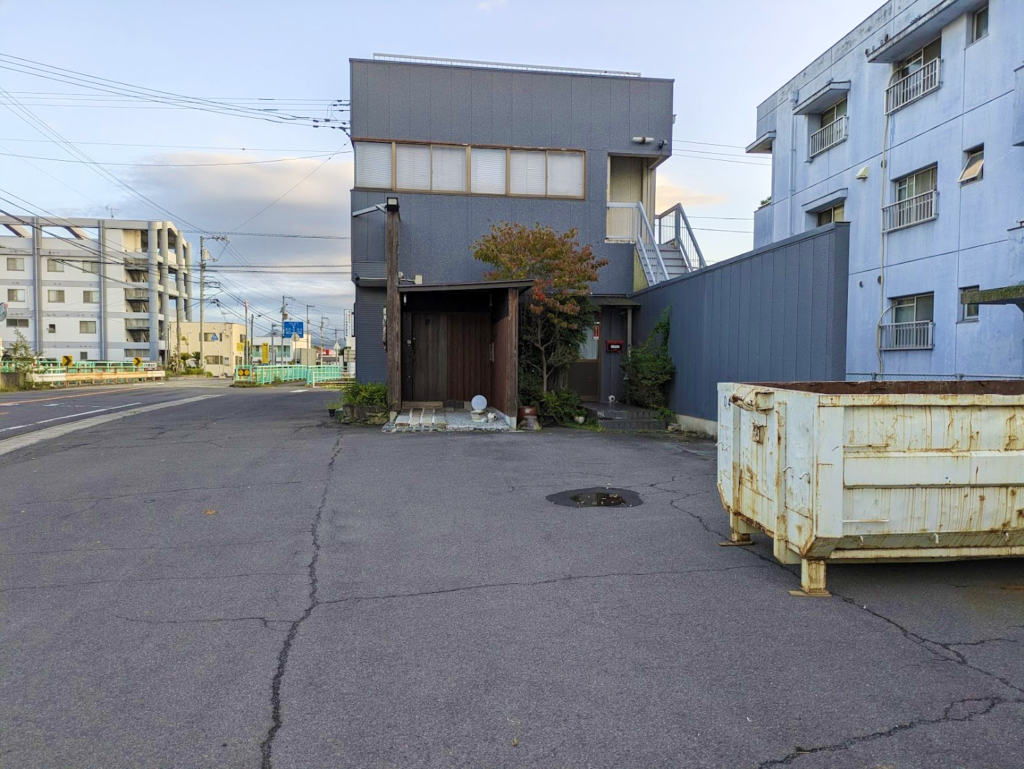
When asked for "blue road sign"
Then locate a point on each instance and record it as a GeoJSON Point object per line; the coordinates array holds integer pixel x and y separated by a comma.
{"type": "Point", "coordinates": [294, 328]}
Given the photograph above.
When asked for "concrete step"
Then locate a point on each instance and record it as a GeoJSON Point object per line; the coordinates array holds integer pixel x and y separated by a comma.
{"type": "Point", "coordinates": [621, 412]}
{"type": "Point", "coordinates": [632, 425]}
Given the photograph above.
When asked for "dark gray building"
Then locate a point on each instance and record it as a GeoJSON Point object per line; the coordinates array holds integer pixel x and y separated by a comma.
{"type": "Point", "coordinates": [463, 145]}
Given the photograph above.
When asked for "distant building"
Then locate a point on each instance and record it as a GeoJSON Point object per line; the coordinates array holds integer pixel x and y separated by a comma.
{"type": "Point", "coordinates": [223, 346]}
{"type": "Point", "coordinates": [94, 289]}
{"type": "Point", "coordinates": [278, 350]}
{"type": "Point", "coordinates": [911, 128]}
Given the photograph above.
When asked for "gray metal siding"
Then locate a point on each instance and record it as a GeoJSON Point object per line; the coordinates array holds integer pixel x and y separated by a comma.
{"type": "Point", "coordinates": [775, 314]}
{"type": "Point", "coordinates": [371, 358]}
{"type": "Point", "coordinates": [399, 101]}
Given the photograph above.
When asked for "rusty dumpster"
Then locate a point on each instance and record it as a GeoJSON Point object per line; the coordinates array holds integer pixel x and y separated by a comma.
{"type": "Point", "coordinates": [848, 472]}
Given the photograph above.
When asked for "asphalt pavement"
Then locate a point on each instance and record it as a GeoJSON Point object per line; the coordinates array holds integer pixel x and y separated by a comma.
{"type": "Point", "coordinates": [238, 581]}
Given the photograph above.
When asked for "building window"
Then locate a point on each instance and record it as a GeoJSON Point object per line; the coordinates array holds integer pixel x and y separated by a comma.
{"type": "Point", "coordinates": [968, 312]}
{"type": "Point", "coordinates": [912, 327]}
{"type": "Point", "coordinates": [15, 295]}
{"type": "Point", "coordinates": [589, 345]}
{"type": "Point", "coordinates": [93, 267]}
{"type": "Point", "coordinates": [916, 184]}
{"type": "Point", "coordinates": [17, 323]}
{"type": "Point", "coordinates": [914, 309]}
{"type": "Point", "coordinates": [974, 165]}
{"type": "Point", "coordinates": [920, 59]}
{"type": "Point", "coordinates": [915, 77]}
{"type": "Point", "coordinates": [51, 328]}
{"type": "Point", "coordinates": [835, 214]}
{"type": "Point", "coordinates": [91, 297]}
{"type": "Point", "coordinates": [52, 265]}
{"type": "Point", "coordinates": [15, 264]}
{"type": "Point", "coordinates": [83, 355]}
{"type": "Point", "coordinates": [979, 24]}
{"type": "Point", "coordinates": [833, 113]}
{"type": "Point", "coordinates": [213, 360]}
{"type": "Point", "coordinates": [55, 295]}
{"type": "Point", "coordinates": [916, 201]}
{"type": "Point", "coordinates": [373, 165]}
{"type": "Point", "coordinates": [488, 171]}
{"type": "Point", "coordinates": [474, 170]}
{"type": "Point", "coordinates": [86, 327]}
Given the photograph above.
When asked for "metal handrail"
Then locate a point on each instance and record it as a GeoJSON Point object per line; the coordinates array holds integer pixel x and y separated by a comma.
{"type": "Point", "coordinates": [906, 213]}
{"type": "Point", "coordinates": [828, 136]}
{"type": "Point", "coordinates": [912, 87]}
{"type": "Point", "coordinates": [641, 234]}
{"type": "Point", "coordinates": [679, 224]}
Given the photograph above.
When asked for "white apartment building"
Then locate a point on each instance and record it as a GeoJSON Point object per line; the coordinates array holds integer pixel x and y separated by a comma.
{"type": "Point", "coordinates": [93, 289]}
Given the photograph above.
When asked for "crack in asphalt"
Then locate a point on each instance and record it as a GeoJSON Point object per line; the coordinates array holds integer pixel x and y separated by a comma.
{"type": "Point", "coordinates": [535, 583]}
{"type": "Point", "coordinates": [211, 620]}
{"type": "Point", "coordinates": [276, 720]}
{"type": "Point", "coordinates": [950, 713]}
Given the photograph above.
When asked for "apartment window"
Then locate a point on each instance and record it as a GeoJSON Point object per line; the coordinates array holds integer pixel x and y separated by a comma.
{"type": "Point", "coordinates": [974, 165]}
{"type": "Point", "coordinates": [17, 323]}
{"type": "Point", "coordinates": [15, 264]}
{"type": "Point", "coordinates": [474, 170]}
{"type": "Point", "coordinates": [968, 312]}
{"type": "Point", "coordinates": [52, 265]}
{"type": "Point", "coordinates": [15, 295]}
{"type": "Point", "coordinates": [55, 295]}
{"type": "Point", "coordinates": [373, 165]}
{"type": "Point", "coordinates": [487, 171]}
{"type": "Point", "coordinates": [213, 360]}
{"type": "Point", "coordinates": [920, 59]}
{"type": "Point", "coordinates": [86, 327]}
{"type": "Point", "coordinates": [835, 214]}
{"type": "Point", "coordinates": [93, 267]}
{"type": "Point", "coordinates": [979, 24]}
{"type": "Point", "coordinates": [833, 113]}
{"type": "Point", "coordinates": [51, 328]}
{"type": "Point", "coordinates": [83, 355]}
{"type": "Point", "coordinates": [914, 309]}
{"type": "Point", "coordinates": [91, 297]}
{"type": "Point", "coordinates": [448, 169]}
{"type": "Point", "coordinates": [916, 184]}
{"type": "Point", "coordinates": [916, 201]}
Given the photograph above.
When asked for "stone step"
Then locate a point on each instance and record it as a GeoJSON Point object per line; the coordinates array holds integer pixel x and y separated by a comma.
{"type": "Point", "coordinates": [632, 425]}
{"type": "Point", "coordinates": [622, 412]}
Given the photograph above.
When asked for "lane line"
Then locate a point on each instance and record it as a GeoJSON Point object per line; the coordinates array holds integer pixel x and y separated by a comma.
{"type": "Point", "coordinates": [21, 441]}
{"type": "Point", "coordinates": [69, 416]}
{"type": "Point", "coordinates": [78, 395]}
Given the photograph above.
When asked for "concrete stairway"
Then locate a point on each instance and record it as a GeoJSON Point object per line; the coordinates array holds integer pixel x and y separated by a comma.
{"type": "Point", "coordinates": [623, 418]}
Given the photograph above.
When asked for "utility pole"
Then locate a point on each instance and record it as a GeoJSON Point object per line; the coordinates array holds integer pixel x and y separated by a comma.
{"type": "Point", "coordinates": [284, 317]}
{"type": "Point", "coordinates": [321, 341]}
{"type": "Point", "coordinates": [203, 256]}
{"type": "Point", "coordinates": [252, 325]}
{"type": "Point", "coordinates": [245, 346]}
{"type": "Point", "coordinates": [309, 336]}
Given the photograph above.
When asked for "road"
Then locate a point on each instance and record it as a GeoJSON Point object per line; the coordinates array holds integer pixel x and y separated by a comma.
{"type": "Point", "coordinates": [237, 581]}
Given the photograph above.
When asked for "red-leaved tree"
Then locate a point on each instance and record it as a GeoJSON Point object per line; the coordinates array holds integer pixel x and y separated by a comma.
{"type": "Point", "coordinates": [557, 311]}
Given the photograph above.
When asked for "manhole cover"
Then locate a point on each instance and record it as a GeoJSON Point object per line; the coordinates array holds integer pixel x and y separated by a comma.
{"type": "Point", "coordinates": [597, 497]}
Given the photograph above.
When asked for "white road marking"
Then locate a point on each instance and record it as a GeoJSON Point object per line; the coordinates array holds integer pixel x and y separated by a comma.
{"type": "Point", "coordinates": [69, 416]}
{"type": "Point", "coordinates": [21, 441]}
{"type": "Point", "coordinates": [300, 391]}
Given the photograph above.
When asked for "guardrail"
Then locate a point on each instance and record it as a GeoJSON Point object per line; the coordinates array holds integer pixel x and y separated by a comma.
{"type": "Point", "coordinates": [829, 136]}
{"type": "Point", "coordinates": [309, 375]}
{"type": "Point", "coordinates": [906, 213]}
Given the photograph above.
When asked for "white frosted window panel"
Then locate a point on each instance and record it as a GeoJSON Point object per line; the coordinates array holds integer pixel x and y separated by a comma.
{"type": "Point", "coordinates": [487, 169]}
{"type": "Point", "coordinates": [373, 165]}
{"type": "Point", "coordinates": [448, 165]}
{"type": "Point", "coordinates": [412, 167]}
{"type": "Point", "coordinates": [565, 174]}
{"type": "Point", "coordinates": [528, 170]}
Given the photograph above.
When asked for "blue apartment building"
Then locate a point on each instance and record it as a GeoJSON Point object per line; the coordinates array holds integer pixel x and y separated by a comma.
{"type": "Point", "coordinates": [911, 128]}
{"type": "Point", "coordinates": [460, 145]}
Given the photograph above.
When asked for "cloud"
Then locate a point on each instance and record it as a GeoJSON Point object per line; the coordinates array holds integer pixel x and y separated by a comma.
{"type": "Point", "coordinates": [669, 193]}
{"type": "Point", "coordinates": [490, 5]}
{"type": "Point", "coordinates": [220, 198]}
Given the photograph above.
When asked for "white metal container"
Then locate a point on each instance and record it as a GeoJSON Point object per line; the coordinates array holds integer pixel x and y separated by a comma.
{"type": "Point", "coordinates": [873, 471]}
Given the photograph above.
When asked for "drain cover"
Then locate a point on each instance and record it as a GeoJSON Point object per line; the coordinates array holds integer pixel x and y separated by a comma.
{"type": "Point", "coordinates": [596, 497]}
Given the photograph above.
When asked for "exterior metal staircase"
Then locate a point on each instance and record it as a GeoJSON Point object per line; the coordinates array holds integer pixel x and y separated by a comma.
{"type": "Point", "coordinates": [666, 249]}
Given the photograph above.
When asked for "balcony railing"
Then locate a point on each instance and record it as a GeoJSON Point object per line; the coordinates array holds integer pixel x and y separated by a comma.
{"type": "Point", "coordinates": [629, 222]}
{"type": "Point", "coordinates": [829, 136]}
{"type": "Point", "coordinates": [905, 213]}
{"type": "Point", "coordinates": [912, 87]}
{"type": "Point", "coordinates": [916, 335]}
{"type": "Point", "coordinates": [136, 293]}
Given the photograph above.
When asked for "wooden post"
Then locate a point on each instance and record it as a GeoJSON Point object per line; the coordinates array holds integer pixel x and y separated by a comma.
{"type": "Point", "coordinates": [394, 311]}
{"type": "Point", "coordinates": [512, 397]}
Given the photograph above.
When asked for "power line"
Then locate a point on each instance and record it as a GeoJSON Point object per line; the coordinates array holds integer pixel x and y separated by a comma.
{"type": "Point", "coordinates": [278, 235]}
{"type": "Point", "coordinates": [708, 144]}
{"type": "Point", "coordinates": [175, 165]}
{"type": "Point", "coordinates": [172, 146]}
{"type": "Point", "coordinates": [722, 160]}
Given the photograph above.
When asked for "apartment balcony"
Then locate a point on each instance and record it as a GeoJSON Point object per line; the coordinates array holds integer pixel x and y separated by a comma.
{"type": "Point", "coordinates": [138, 335]}
{"type": "Point", "coordinates": [136, 263]}
{"type": "Point", "coordinates": [136, 323]}
{"type": "Point", "coordinates": [829, 136]}
{"type": "Point", "coordinates": [136, 293]}
{"type": "Point", "coordinates": [916, 335]}
{"type": "Point", "coordinates": [906, 213]}
{"type": "Point", "coordinates": [913, 87]}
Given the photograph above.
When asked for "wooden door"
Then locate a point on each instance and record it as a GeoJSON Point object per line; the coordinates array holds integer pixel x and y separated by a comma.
{"type": "Point", "coordinates": [424, 356]}
{"type": "Point", "coordinates": [469, 355]}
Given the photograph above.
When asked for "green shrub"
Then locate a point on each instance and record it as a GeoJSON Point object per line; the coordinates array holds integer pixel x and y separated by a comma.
{"type": "Point", "coordinates": [649, 368]}
{"type": "Point", "coordinates": [366, 394]}
{"type": "Point", "coordinates": [561, 407]}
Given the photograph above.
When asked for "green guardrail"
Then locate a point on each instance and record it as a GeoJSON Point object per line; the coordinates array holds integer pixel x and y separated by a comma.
{"type": "Point", "coordinates": [79, 367]}
{"type": "Point", "coordinates": [310, 375]}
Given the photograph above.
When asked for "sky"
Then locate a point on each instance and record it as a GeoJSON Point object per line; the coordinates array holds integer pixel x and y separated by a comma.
{"type": "Point", "coordinates": [725, 57]}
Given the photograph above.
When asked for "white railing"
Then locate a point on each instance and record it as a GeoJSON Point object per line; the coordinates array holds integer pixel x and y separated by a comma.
{"type": "Point", "coordinates": [916, 335]}
{"type": "Point", "coordinates": [912, 87]}
{"type": "Point", "coordinates": [829, 135]}
{"type": "Point", "coordinates": [628, 221]}
{"type": "Point", "coordinates": [673, 229]}
{"type": "Point", "coordinates": [905, 213]}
